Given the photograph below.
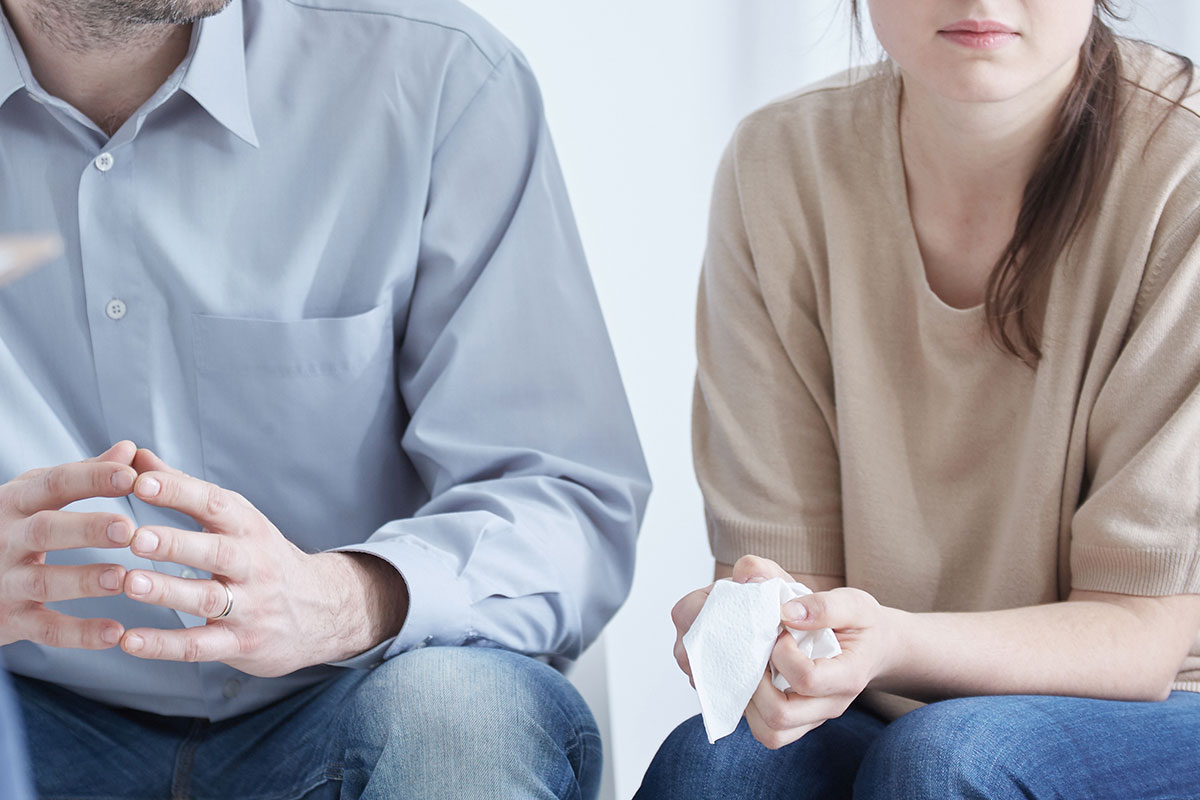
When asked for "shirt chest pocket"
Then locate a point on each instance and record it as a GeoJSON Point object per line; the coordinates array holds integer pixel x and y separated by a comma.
{"type": "Point", "coordinates": [299, 416]}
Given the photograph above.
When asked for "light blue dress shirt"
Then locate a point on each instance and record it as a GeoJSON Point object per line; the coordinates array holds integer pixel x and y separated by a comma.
{"type": "Point", "coordinates": [331, 265]}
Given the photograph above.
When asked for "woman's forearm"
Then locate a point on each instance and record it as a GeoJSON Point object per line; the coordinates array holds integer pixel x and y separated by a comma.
{"type": "Point", "coordinates": [1098, 645]}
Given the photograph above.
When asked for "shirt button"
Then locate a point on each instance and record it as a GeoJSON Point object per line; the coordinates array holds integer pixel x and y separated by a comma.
{"type": "Point", "coordinates": [104, 162]}
{"type": "Point", "coordinates": [188, 573]}
{"type": "Point", "coordinates": [115, 309]}
{"type": "Point", "coordinates": [231, 688]}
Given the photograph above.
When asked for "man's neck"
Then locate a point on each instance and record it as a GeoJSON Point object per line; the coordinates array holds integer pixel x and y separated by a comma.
{"type": "Point", "coordinates": [103, 67]}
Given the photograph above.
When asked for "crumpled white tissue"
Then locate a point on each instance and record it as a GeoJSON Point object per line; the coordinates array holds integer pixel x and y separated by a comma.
{"type": "Point", "coordinates": [730, 643]}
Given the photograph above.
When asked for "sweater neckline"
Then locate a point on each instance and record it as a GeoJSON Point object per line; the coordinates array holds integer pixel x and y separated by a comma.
{"type": "Point", "coordinates": [908, 249]}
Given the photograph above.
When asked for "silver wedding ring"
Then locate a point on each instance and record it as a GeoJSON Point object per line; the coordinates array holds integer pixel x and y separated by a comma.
{"type": "Point", "coordinates": [228, 602]}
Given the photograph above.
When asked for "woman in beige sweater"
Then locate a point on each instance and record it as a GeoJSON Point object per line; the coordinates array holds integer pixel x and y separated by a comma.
{"type": "Point", "coordinates": [949, 377]}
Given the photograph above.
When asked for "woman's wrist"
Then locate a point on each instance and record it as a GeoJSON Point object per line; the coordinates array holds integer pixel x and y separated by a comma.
{"type": "Point", "coordinates": [896, 634]}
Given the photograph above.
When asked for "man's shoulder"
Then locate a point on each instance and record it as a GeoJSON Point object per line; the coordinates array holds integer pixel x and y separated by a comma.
{"type": "Point", "coordinates": [435, 20]}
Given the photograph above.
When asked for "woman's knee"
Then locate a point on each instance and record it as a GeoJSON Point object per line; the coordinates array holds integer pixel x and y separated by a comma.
{"type": "Point", "coordinates": [820, 765]}
{"type": "Point", "coordinates": [966, 748]}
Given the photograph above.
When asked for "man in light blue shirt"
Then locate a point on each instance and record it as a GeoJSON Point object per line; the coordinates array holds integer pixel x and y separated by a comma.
{"type": "Point", "coordinates": [320, 268]}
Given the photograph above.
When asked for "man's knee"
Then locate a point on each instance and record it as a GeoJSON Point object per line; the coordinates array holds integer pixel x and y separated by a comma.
{"type": "Point", "coordinates": [481, 713]}
{"type": "Point", "coordinates": [966, 748]}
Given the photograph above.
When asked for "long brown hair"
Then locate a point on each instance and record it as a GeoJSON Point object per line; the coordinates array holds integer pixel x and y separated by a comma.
{"type": "Point", "coordinates": [1063, 192]}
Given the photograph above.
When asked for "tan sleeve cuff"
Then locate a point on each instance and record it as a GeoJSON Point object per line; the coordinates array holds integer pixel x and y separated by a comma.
{"type": "Point", "coordinates": [816, 550]}
{"type": "Point", "coordinates": [1142, 572]}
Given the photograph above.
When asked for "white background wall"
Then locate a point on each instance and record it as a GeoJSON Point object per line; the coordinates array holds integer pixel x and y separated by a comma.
{"type": "Point", "coordinates": [642, 97]}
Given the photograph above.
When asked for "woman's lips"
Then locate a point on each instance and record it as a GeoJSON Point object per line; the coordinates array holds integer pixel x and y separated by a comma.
{"type": "Point", "coordinates": [987, 40]}
{"type": "Point", "coordinates": [979, 34]}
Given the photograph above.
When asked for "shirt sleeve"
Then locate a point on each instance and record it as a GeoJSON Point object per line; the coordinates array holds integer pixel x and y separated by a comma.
{"type": "Point", "coordinates": [1138, 528]}
{"type": "Point", "coordinates": [518, 423]}
{"type": "Point", "coordinates": [763, 415]}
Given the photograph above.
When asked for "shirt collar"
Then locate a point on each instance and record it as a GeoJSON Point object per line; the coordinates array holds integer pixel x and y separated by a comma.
{"type": "Point", "coordinates": [215, 77]}
{"type": "Point", "coordinates": [216, 72]}
{"type": "Point", "coordinates": [10, 71]}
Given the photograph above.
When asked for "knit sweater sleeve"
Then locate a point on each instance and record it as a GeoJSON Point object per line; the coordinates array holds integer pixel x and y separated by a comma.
{"type": "Point", "coordinates": [1138, 530]}
{"type": "Point", "coordinates": [764, 428]}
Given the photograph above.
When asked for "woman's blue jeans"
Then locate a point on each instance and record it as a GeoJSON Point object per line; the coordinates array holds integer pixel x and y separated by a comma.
{"type": "Point", "coordinates": [991, 748]}
{"type": "Point", "coordinates": [454, 722]}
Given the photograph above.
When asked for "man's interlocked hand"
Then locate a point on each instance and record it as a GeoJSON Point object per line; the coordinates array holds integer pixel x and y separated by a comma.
{"type": "Point", "coordinates": [32, 523]}
{"type": "Point", "coordinates": [291, 609]}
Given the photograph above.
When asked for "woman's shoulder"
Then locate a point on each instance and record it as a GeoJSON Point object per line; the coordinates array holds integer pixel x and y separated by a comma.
{"type": "Point", "coordinates": [1162, 93]}
{"type": "Point", "coordinates": [1157, 171]}
{"type": "Point", "coordinates": [1147, 219]}
{"type": "Point", "coordinates": [831, 115]}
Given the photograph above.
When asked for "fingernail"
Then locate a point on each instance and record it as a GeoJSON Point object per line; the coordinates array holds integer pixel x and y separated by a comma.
{"type": "Point", "coordinates": [139, 584]}
{"type": "Point", "coordinates": [795, 611]}
{"type": "Point", "coordinates": [110, 635]}
{"type": "Point", "coordinates": [110, 580]}
{"type": "Point", "coordinates": [148, 487]}
{"type": "Point", "coordinates": [145, 542]}
{"type": "Point", "coordinates": [133, 643]}
{"type": "Point", "coordinates": [118, 532]}
{"type": "Point", "coordinates": [122, 481]}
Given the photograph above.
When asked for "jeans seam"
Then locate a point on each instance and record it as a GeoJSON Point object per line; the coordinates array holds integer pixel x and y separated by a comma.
{"type": "Point", "coordinates": [298, 794]}
{"type": "Point", "coordinates": [181, 779]}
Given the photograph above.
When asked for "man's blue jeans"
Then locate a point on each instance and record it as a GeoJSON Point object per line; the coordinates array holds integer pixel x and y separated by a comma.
{"type": "Point", "coordinates": [454, 722]}
{"type": "Point", "coordinates": [14, 778]}
{"type": "Point", "coordinates": [991, 748]}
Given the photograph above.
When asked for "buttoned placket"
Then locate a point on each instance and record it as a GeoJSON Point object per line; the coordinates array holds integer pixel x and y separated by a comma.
{"type": "Point", "coordinates": [121, 306]}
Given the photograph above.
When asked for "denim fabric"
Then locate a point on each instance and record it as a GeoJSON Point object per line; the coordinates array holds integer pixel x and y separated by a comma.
{"type": "Point", "coordinates": [821, 765]}
{"type": "Point", "coordinates": [14, 763]}
{"type": "Point", "coordinates": [992, 748]}
{"type": "Point", "coordinates": [432, 723]}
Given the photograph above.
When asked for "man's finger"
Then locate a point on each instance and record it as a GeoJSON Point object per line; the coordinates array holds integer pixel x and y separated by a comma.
{"type": "Point", "coordinates": [213, 507]}
{"type": "Point", "coordinates": [50, 628]}
{"type": "Point", "coordinates": [120, 453]}
{"type": "Point", "coordinates": [66, 530]}
{"type": "Point", "coordinates": [200, 598]}
{"type": "Point", "coordinates": [67, 483]}
{"type": "Point", "coordinates": [146, 460]}
{"type": "Point", "coordinates": [40, 583]}
{"type": "Point", "coordinates": [206, 643]}
{"type": "Point", "coordinates": [217, 553]}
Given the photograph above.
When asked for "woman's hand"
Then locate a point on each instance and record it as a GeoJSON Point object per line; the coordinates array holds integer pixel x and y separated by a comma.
{"type": "Point", "coordinates": [821, 689]}
{"type": "Point", "coordinates": [748, 568]}
{"type": "Point", "coordinates": [824, 688]}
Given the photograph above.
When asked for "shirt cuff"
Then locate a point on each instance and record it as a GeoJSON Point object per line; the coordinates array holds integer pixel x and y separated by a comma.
{"type": "Point", "coordinates": [439, 609]}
